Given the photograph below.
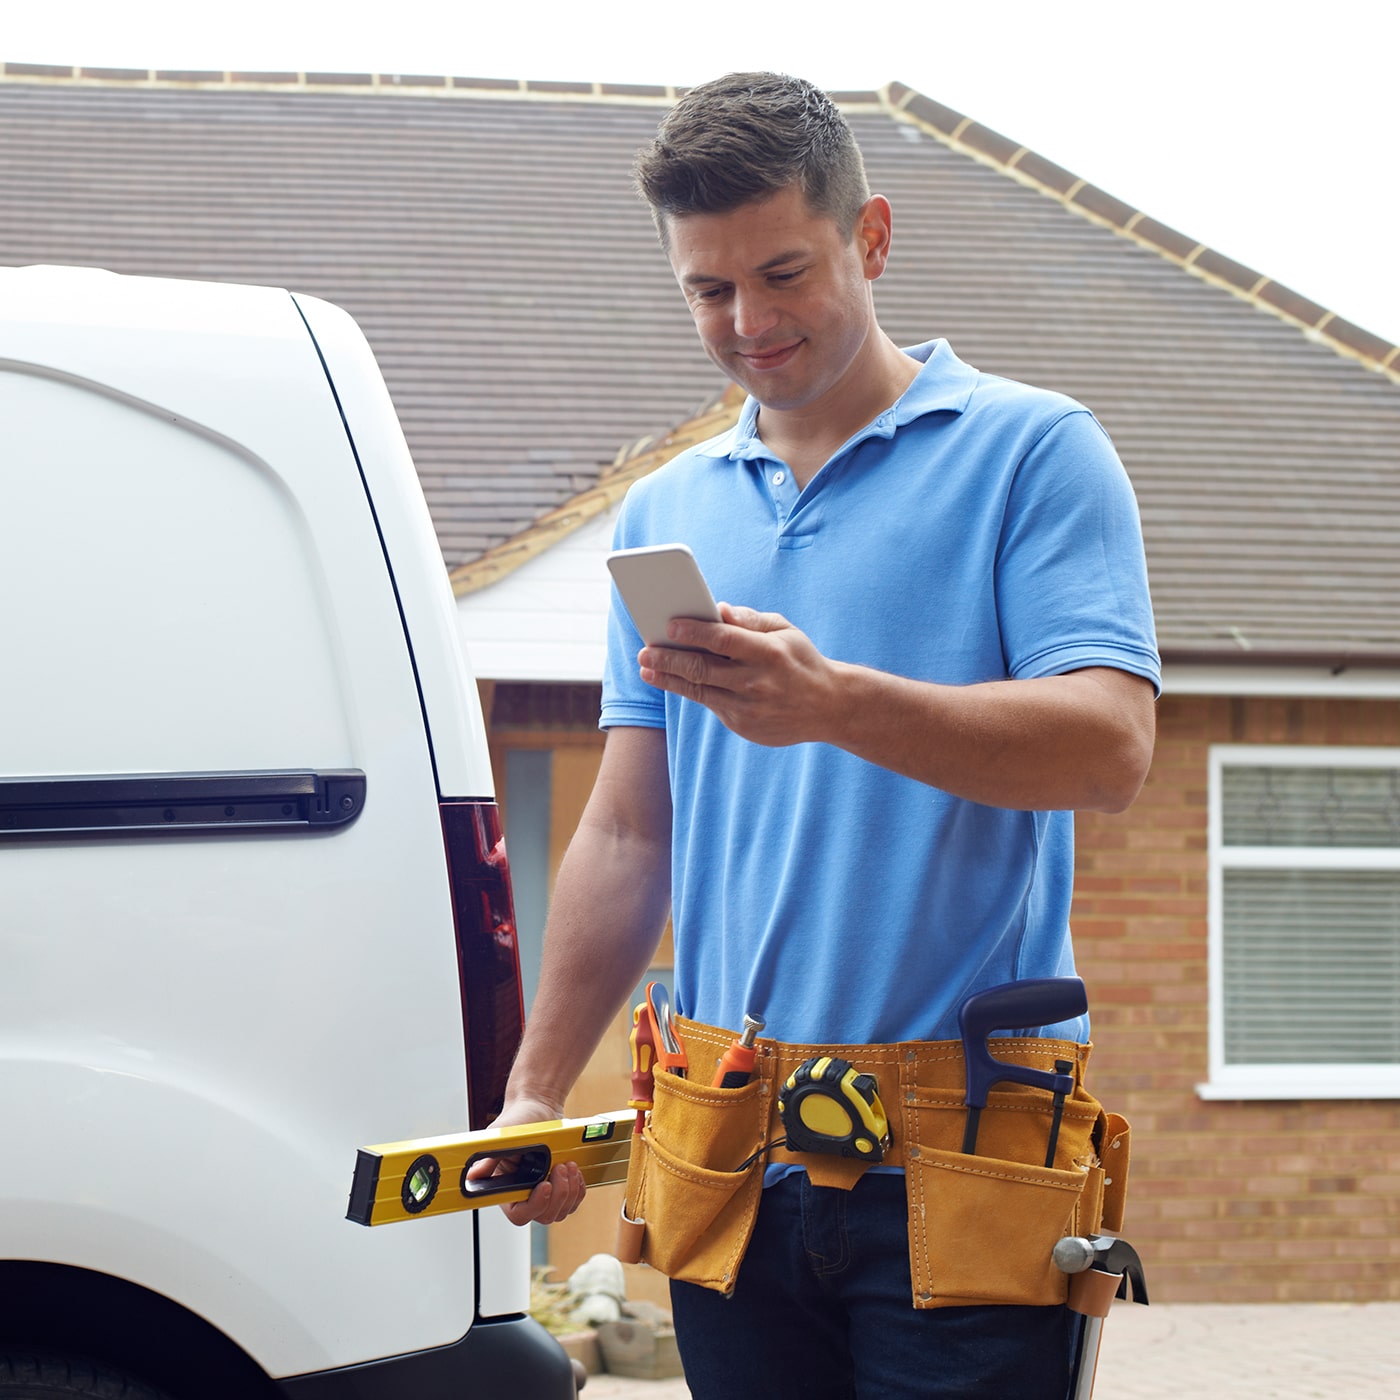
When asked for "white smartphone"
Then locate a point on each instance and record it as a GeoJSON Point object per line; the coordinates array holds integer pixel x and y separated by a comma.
{"type": "Point", "coordinates": [659, 582]}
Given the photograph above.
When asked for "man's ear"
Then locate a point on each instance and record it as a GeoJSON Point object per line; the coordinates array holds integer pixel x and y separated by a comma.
{"type": "Point", "coordinates": [873, 231]}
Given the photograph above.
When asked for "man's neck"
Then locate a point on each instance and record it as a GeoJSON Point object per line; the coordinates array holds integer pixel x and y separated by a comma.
{"type": "Point", "coordinates": [805, 438]}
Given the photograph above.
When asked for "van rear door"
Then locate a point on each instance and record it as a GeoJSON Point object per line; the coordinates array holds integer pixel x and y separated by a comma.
{"type": "Point", "coordinates": [228, 1012]}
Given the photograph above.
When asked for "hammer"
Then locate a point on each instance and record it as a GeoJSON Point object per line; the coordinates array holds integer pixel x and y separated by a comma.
{"type": "Point", "coordinates": [1101, 1267]}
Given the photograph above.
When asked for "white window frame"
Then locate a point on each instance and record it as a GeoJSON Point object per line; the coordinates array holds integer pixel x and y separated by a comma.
{"type": "Point", "coordinates": [1301, 1081]}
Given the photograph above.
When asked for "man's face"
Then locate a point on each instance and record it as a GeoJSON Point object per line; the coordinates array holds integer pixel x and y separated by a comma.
{"type": "Point", "coordinates": [780, 295]}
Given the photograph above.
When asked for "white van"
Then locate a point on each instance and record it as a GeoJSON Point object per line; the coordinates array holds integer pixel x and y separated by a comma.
{"type": "Point", "coordinates": [254, 905]}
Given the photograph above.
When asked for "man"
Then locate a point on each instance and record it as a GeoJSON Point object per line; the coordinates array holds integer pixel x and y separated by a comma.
{"type": "Point", "coordinates": [855, 797]}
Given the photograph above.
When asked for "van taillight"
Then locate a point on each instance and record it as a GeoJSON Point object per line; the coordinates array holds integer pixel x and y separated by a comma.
{"type": "Point", "coordinates": [488, 953]}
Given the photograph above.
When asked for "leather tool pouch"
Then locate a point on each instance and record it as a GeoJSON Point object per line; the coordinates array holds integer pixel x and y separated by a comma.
{"type": "Point", "coordinates": [695, 1179]}
{"type": "Point", "coordinates": [981, 1227]}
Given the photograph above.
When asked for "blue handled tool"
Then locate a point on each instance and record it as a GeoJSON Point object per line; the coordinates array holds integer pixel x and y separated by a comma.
{"type": "Point", "coordinates": [1038, 1001]}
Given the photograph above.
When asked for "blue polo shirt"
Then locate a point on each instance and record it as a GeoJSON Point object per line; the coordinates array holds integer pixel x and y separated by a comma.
{"type": "Point", "coordinates": [978, 530]}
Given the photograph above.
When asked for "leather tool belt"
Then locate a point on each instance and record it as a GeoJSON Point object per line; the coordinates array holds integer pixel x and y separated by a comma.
{"type": "Point", "coordinates": [981, 1227]}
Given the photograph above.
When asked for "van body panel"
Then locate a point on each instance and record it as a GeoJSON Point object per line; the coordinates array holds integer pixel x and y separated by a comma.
{"type": "Point", "coordinates": [113, 518]}
{"type": "Point", "coordinates": [223, 1211]}
{"type": "Point", "coordinates": [253, 1119]}
{"type": "Point", "coordinates": [457, 728]}
{"type": "Point", "coordinates": [198, 1030]}
{"type": "Point", "coordinates": [503, 1282]}
{"type": "Point", "coordinates": [512, 1357]}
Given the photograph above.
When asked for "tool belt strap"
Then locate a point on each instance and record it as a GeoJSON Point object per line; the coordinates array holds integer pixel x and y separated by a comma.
{"type": "Point", "coordinates": [917, 1075]}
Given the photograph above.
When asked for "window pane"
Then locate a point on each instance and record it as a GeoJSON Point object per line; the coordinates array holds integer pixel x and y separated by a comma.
{"type": "Point", "coordinates": [1312, 967]}
{"type": "Point", "coordinates": [1311, 806]}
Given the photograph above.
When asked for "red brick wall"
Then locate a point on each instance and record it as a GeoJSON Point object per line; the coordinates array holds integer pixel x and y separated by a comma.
{"type": "Point", "coordinates": [1228, 1202]}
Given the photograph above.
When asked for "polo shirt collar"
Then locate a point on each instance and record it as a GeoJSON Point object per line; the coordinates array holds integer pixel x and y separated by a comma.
{"type": "Point", "coordinates": [944, 384]}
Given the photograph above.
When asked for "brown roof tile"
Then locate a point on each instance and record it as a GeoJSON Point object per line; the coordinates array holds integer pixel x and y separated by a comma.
{"type": "Point", "coordinates": [529, 328]}
{"type": "Point", "coordinates": [1372, 347]}
{"type": "Point", "coordinates": [115, 75]}
{"type": "Point", "coordinates": [1233, 274]}
{"type": "Point", "coordinates": [632, 90]}
{"type": "Point", "coordinates": [35, 70]}
{"type": "Point", "coordinates": [987, 142]}
{"type": "Point", "coordinates": [1285, 299]}
{"type": "Point", "coordinates": [1103, 204]}
{"type": "Point", "coordinates": [340, 79]}
{"type": "Point", "coordinates": [1046, 172]}
{"type": "Point", "coordinates": [1158, 235]}
{"type": "Point", "coordinates": [935, 114]}
{"type": "Point", "coordinates": [488, 84]}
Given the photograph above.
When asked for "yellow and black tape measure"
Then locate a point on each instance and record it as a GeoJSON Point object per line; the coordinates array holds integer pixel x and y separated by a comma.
{"type": "Point", "coordinates": [827, 1105]}
{"type": "Point", "coordinates": [428, 1176]}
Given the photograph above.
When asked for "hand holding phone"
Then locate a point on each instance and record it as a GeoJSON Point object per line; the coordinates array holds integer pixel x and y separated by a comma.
{"type": "Point", "coordinates": [659, 582]}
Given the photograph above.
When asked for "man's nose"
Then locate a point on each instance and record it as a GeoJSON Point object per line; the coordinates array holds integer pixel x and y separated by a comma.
{"type": "Point", "coordinates": [754, 313]}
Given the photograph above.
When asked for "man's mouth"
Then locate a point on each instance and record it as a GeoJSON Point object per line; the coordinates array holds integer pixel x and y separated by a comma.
{"type": "Point", "coordinates": [770, 357]}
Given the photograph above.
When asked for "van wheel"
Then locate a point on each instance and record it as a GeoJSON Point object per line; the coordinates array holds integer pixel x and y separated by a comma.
{"type": "Point", "coordinates": [26, 1377]}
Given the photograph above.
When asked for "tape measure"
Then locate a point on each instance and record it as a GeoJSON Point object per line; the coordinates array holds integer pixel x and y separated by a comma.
{"type": "Point", "coordinates": [422, 1177]}
{"type": "Point", "coordinates": [827, 1105]}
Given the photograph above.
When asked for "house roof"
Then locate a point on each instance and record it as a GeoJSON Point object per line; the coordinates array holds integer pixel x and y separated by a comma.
{"type": "Point", "coordinates": [485, 236]}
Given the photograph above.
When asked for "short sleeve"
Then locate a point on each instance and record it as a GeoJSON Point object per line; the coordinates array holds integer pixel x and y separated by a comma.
{"type": "Point", "coordinates": [1071, 572]}
{"type": "Point", "coordinates": [627, 699]}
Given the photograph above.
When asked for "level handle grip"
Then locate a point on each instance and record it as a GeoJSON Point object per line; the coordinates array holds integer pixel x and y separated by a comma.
{"type": "Point", "coordinates": [1037, 1001]}
{"type": "Point", "coordinates": [517, 1169]}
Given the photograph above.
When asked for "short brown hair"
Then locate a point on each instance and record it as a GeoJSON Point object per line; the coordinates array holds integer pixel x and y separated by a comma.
{"type": "Point", "coordinates": [745, 137]}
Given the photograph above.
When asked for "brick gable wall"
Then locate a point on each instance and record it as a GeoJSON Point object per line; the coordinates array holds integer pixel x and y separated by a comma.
{"type": "Point", "coordinates": [1229, 1202]}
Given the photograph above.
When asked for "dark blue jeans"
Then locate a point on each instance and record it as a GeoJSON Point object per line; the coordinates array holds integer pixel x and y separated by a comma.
{"type": "Point", "coordinates": [823, 1311]}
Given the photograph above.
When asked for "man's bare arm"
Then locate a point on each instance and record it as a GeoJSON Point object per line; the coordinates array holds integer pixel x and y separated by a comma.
{"type": "Point", "coordinates": [609, 905]}
{"type": "Point", "coordinates": [1080, 741]}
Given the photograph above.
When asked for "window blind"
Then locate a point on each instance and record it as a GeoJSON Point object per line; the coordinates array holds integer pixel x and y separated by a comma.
{"type": "Point", "coordinates": [1311, 942]}
{"type": "Point", "coordinates": [1312, 966]}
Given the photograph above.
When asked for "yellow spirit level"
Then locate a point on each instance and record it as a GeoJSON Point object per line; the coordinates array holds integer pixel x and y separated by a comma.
{"type": "Point", "coordinates": [428, 1176]}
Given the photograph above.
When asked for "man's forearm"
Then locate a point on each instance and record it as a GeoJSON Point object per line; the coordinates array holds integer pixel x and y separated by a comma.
{"type": "Point", "coordinates": [1078, 741]}
{"type": "Point", "coordinates": [609, 906]}
{"type": "Point", "coordinates": [1081, 741]}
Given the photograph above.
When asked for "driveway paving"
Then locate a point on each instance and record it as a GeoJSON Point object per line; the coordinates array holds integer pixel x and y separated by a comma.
{"type": "Point", "coordinates": [1207, 1351]}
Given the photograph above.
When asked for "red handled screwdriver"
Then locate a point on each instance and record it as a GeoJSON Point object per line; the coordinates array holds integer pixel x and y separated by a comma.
{"type": "Point", "coordinates": [736, 1064]}
{"type": "Point", "coordinates": [642, 1042]}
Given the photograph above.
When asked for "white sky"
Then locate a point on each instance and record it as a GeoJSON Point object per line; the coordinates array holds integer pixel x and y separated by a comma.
{"type": "Point", "coordinates": [1265, 130]}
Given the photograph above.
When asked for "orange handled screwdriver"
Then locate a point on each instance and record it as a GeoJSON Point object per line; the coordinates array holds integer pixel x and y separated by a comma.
{"type": "Point", "coordinates": [736, 1064]}
{"type": "Point", "coordinates": [643, 1045]}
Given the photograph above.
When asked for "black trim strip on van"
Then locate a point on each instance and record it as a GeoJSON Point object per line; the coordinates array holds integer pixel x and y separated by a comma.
{"type": "Point", "coordinates": [149, 804]}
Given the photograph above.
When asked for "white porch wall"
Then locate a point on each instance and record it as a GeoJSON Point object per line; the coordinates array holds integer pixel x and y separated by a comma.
{"type": "Point", "coordinates": [546, 621]}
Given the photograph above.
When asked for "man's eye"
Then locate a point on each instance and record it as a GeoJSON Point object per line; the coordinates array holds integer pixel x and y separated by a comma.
{"type": "Point", "coordinates": [784, 276]}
